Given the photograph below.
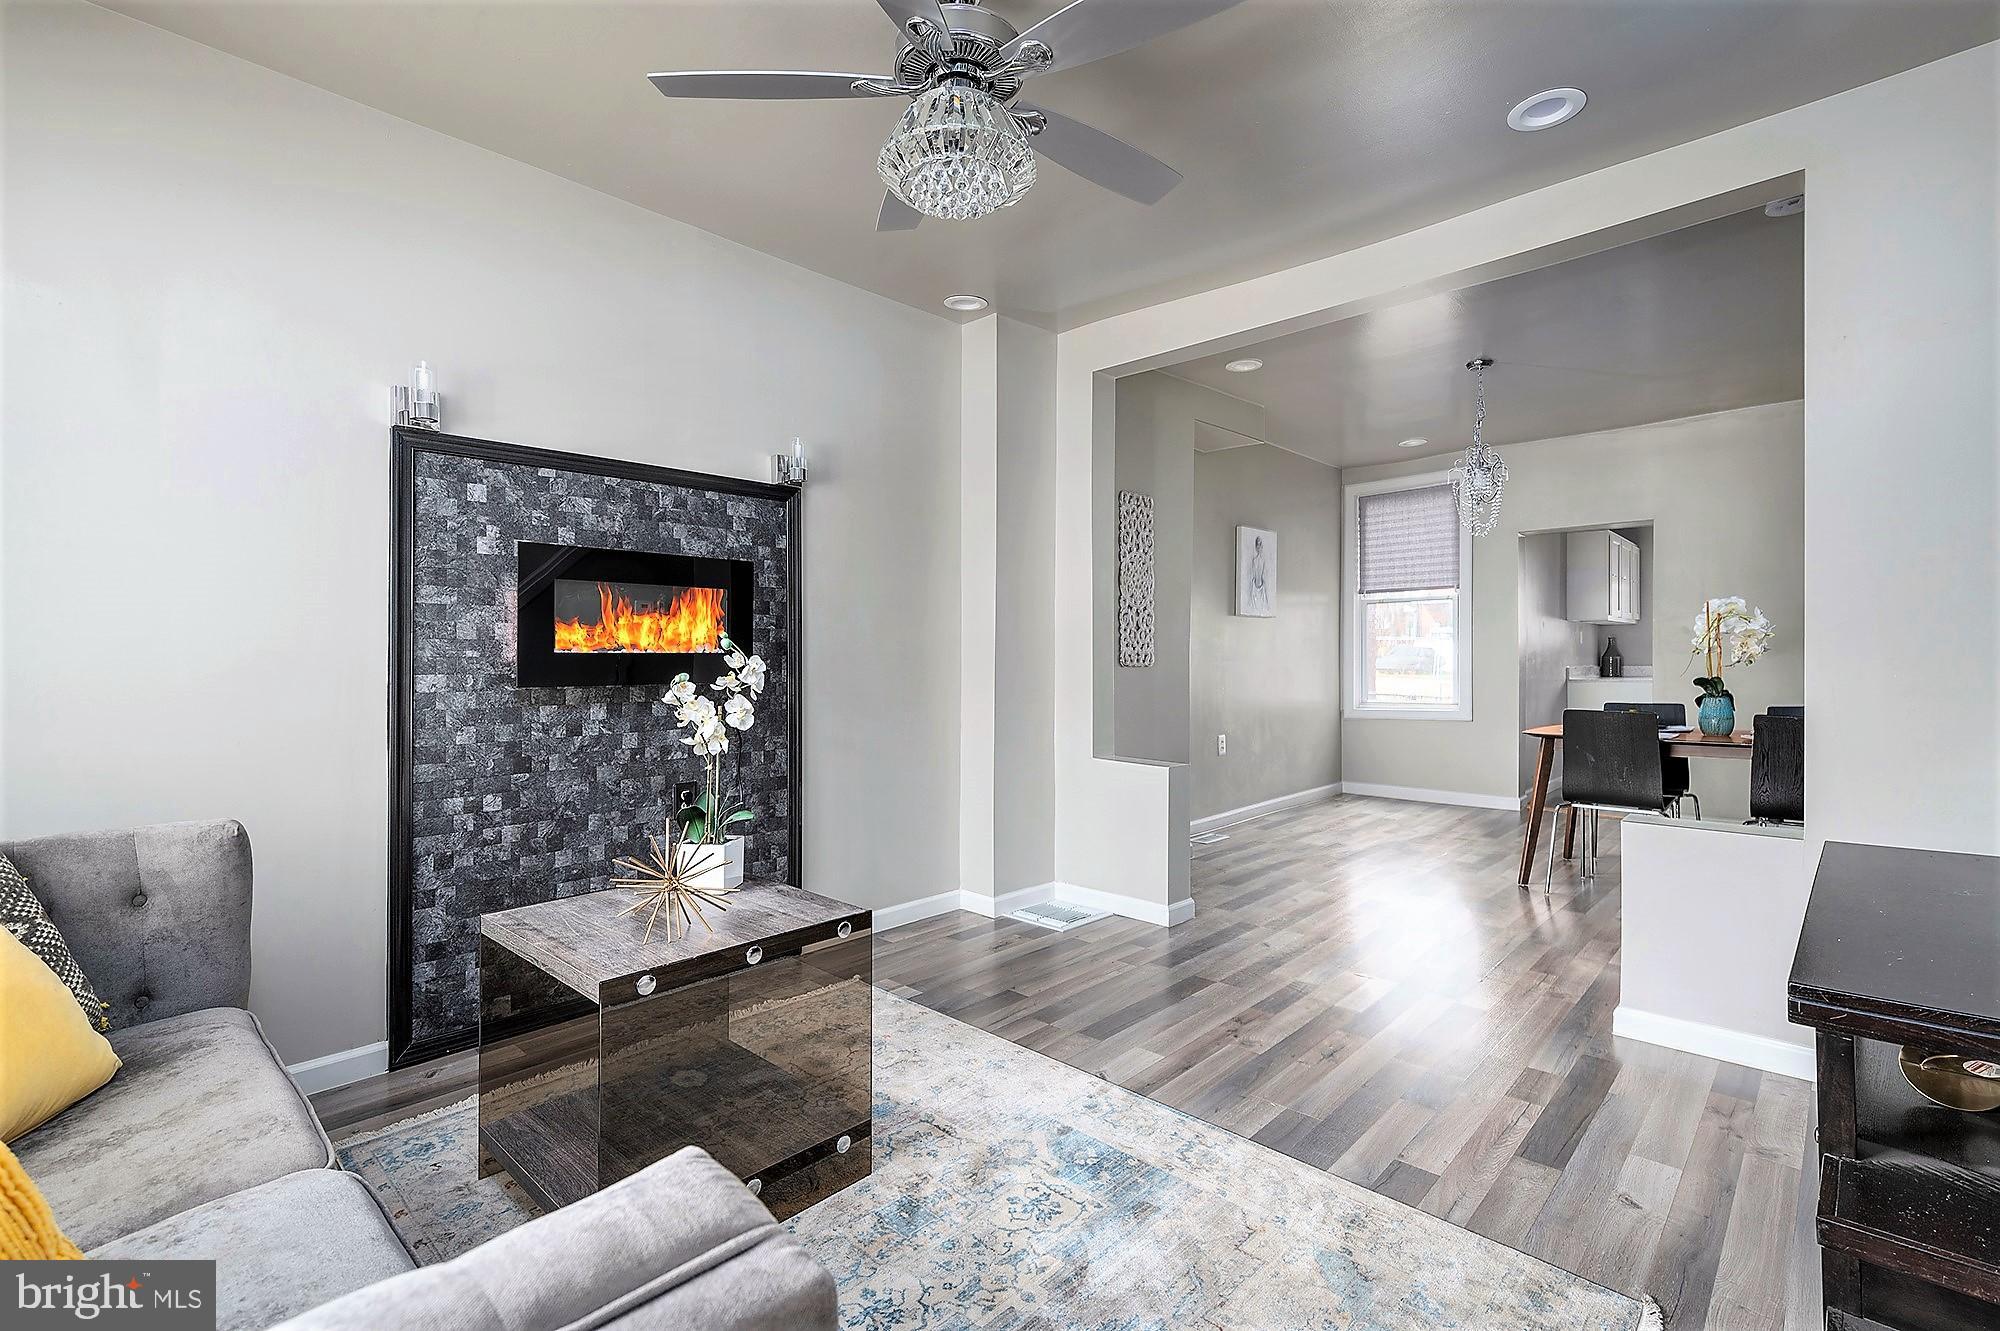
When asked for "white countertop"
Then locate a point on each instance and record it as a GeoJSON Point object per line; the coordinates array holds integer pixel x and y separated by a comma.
{"type": "Point", "coordinates": [1784, 831]}
{"type": "Point", "coordinates": [1631, 672]}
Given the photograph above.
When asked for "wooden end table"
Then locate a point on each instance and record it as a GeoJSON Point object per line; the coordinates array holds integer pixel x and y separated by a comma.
{"type": "Point", "coordinates": [601, 1051]}
{"type": "Point", "coordinates": [1902, 947]}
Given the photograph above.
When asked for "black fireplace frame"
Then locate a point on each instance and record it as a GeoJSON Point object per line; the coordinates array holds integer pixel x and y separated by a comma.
{"type": "Point", "coordinates": [537, 663]}
{"type": "Point", "coordinates": [406, 445]}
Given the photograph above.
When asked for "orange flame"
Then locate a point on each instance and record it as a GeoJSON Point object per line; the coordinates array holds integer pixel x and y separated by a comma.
{"type": "Point", "coordinates": [693, 623]}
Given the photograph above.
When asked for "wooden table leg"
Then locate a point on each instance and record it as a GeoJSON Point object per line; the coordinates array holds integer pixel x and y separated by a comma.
{"type": "Point", "coordinates": [1538, 802]}
{"type": "Point", "coordinates": [1569, 833]}
{"type": "Point", "coordinates": [1839, 1272]}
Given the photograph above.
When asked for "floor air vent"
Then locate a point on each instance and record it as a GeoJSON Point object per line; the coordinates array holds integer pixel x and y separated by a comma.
{"type": "Point", "coordinates": [1054, 915]}
{"type": "Point", "coordinates": [1206, 838]}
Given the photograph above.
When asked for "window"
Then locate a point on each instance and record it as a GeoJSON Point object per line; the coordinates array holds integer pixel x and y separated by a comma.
{"type": "Point", "coordinates": [1411, 627]}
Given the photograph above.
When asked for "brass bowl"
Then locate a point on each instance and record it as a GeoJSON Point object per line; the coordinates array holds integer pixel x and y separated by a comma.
{"type": "Point", "coordinates": [1943, 1080]}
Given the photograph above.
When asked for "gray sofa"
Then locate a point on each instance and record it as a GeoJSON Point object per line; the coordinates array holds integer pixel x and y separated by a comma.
{"type": "Point", "coordinates": [202, 1146]}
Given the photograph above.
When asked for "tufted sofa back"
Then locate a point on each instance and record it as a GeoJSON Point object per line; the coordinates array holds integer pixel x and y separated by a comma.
{"type": "Point", "coordinates": [158, 917]}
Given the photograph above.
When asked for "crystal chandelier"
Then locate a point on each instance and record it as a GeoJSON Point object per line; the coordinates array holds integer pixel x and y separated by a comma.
{"type": "Point", "coordinates": [1480, 478]}
{"type": "Point", "coordinates": [958, 153]}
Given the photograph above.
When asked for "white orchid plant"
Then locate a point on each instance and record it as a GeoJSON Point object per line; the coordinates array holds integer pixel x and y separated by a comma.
{"type": "Point", "coordinates": [708, 722]}
{"type": "Point", "coordinates": [1728, 632]}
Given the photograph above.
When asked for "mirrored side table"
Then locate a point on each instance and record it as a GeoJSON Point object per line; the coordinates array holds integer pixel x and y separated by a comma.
{"type": "Point", "coordinates": [601, 1051]}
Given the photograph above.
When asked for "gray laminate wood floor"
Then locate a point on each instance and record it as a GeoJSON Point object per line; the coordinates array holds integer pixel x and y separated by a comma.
{"type": "Point", "coordinates": [1363, 988]}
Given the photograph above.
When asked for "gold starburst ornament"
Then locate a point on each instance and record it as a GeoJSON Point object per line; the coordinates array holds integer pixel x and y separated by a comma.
{"type": "Point", "coordinates": [663, 879]}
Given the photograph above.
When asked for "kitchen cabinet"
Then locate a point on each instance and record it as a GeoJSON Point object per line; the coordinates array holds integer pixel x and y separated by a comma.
{"type": "Point", "coordinates": [1603, 578]}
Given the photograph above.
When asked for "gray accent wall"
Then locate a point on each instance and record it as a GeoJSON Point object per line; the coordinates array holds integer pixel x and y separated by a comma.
{"type": "Point", "coordinates": [1549, 643]}
{"type": "Point", "coordinates": [1159, 421]}
{"type": "Point", "coordinates": [213, 274]}
{"type": "Point", "coordinates": [1272, 685]}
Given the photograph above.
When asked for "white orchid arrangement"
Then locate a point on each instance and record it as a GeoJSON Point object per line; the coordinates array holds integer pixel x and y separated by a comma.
{"type": "Point", "coordinates": [1728, 632]}
{"type": "Point", "coordinates": [708, 722]}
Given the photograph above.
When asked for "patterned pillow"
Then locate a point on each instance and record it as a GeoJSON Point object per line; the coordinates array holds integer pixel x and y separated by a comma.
{"type": "Point", "coordinates": [21, 915]}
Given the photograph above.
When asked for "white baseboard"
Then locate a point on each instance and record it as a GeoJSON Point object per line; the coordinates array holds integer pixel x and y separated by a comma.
{"type": "Point", "coordinates": [1162, 913]}
{"type": "Point", "coordinates": [1694, 1037]}
{"type": "Point", "coordinates": [1467, 798]}
{"type": "Point", "coordinates": [1231, 817]}
{"type": "Point", "coordinates": [342, 1068]}
{"type": "Point", "coordinates": [909, 912]}
{"type": "Point", "coordinates": [1007, 903]}
{"type": "Point", "coordinates": [993, 908]}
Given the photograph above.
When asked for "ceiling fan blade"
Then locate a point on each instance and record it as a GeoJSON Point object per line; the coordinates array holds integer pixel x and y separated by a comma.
{"type": "Point", "coordinates": [896, 215]}
{"type": "Point", "coordinates": [1101, 159]}
{"type": "Point", "coordinates": [761, 84]}
{"type": "Point", "coordinates": [1087, 30]}
{"type": "Point", "coordinates": [900, 13]}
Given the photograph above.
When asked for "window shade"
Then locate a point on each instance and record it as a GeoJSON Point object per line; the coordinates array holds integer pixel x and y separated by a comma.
{"type": "Point", "coordinates": [1408, 540]}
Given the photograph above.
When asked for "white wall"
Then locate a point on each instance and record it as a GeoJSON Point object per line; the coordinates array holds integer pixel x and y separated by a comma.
{"type": "Point", "coordinates": [1725, 495]}
{"type": "Point", "coordinates": [213, 273]}
{"type": "Point", "coordinates": [978, 609]}
{"type": "Point", "coordinates": [1709, 917]}
{"type": "Point", "coordinates": [1007, 567]}
{"type": "Point", "coordinates": [1025, 594]}
{"type": "Point", "coordinates": [1272, 685]}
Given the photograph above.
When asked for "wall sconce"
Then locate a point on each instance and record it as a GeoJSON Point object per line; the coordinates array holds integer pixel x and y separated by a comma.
{"type": "Point", "coordinates": [790, 468]}
{"type": "Point", "coordinates": [418, 405]}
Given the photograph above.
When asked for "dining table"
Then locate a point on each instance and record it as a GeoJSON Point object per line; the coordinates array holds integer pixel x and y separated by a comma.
{"type": "Point", "coordinates": [1676, 744]}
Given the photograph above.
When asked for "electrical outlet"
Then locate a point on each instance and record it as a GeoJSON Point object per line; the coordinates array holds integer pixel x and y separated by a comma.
{"type": "Point", "coordinates": [1221, 745]}
{"type": "Point", "coordinates": [685, 794]}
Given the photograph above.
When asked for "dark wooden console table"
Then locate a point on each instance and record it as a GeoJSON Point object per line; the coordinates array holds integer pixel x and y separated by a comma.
{"type": "Point", "coordinates": [1902, 947]}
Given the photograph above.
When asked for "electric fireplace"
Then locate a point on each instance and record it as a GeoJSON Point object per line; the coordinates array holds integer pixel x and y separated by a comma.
{"type": "Point", "coordinates": [588, 616]}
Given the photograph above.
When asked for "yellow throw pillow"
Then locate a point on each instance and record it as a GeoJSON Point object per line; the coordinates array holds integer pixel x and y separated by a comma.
{"type": "Point", "coordinates": [28, 1231]}
{"type": "Point", "coordinates": [49, 1056]}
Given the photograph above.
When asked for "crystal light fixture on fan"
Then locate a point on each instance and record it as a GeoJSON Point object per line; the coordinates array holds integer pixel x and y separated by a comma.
{"type": "Point", "coordinates": [1480, 478]}
{"type": "Point", "coordinates": [958, 154]}
{"type": "Point", "coordinates": [967, 146]}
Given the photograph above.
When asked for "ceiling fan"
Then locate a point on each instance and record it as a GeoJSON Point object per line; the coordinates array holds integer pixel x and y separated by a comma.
{"type": "Point", "coordinates": [966, 147]}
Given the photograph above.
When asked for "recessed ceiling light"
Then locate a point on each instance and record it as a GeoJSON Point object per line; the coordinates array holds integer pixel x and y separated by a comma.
{"type": "Point", "coordinates": [965, 304]}
{"type": "Point", "coordinates": [1547, 109]}
{"type": "Point", "coordinates": [1412, 443]}
{"type": "Point", "coordinates": [1244, 366]}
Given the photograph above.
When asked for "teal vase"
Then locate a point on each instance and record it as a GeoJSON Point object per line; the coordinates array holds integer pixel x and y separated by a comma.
{"type": "Point", "coordinates": [1718, 715]}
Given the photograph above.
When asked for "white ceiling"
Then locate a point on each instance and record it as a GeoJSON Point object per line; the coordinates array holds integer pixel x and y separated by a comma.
{"type": "Point", "coordinates": [1303, 126]}
{"type": "Point", "coordinates": [1707, 318]}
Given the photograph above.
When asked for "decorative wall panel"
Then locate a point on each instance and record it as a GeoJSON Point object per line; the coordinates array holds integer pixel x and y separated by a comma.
{"type": "Point", "coordinates": [1135, 579]}
{"type": "Point", "coordinates": [511, 795]}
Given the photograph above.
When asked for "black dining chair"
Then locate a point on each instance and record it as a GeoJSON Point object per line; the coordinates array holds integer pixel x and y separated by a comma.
{"type": "Point", "coordinates": [1668, 713]}
{"type": "Point", "coordinates": [1676, 780]}
{"type": "Point", "coordinates": [1787, 710]}
{"type": "Point", "coordinates": [1777, 768]}
{"type": "Point", "coordinates": [1611, 760]}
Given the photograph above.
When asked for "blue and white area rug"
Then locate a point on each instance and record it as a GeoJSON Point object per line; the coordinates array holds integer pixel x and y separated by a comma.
{"type": "Point", "coordinates": [1011, 1192]}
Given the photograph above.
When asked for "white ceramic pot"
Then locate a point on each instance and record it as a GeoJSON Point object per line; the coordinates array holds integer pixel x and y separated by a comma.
{"type": "Point", "coordinates": [714, 866]}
